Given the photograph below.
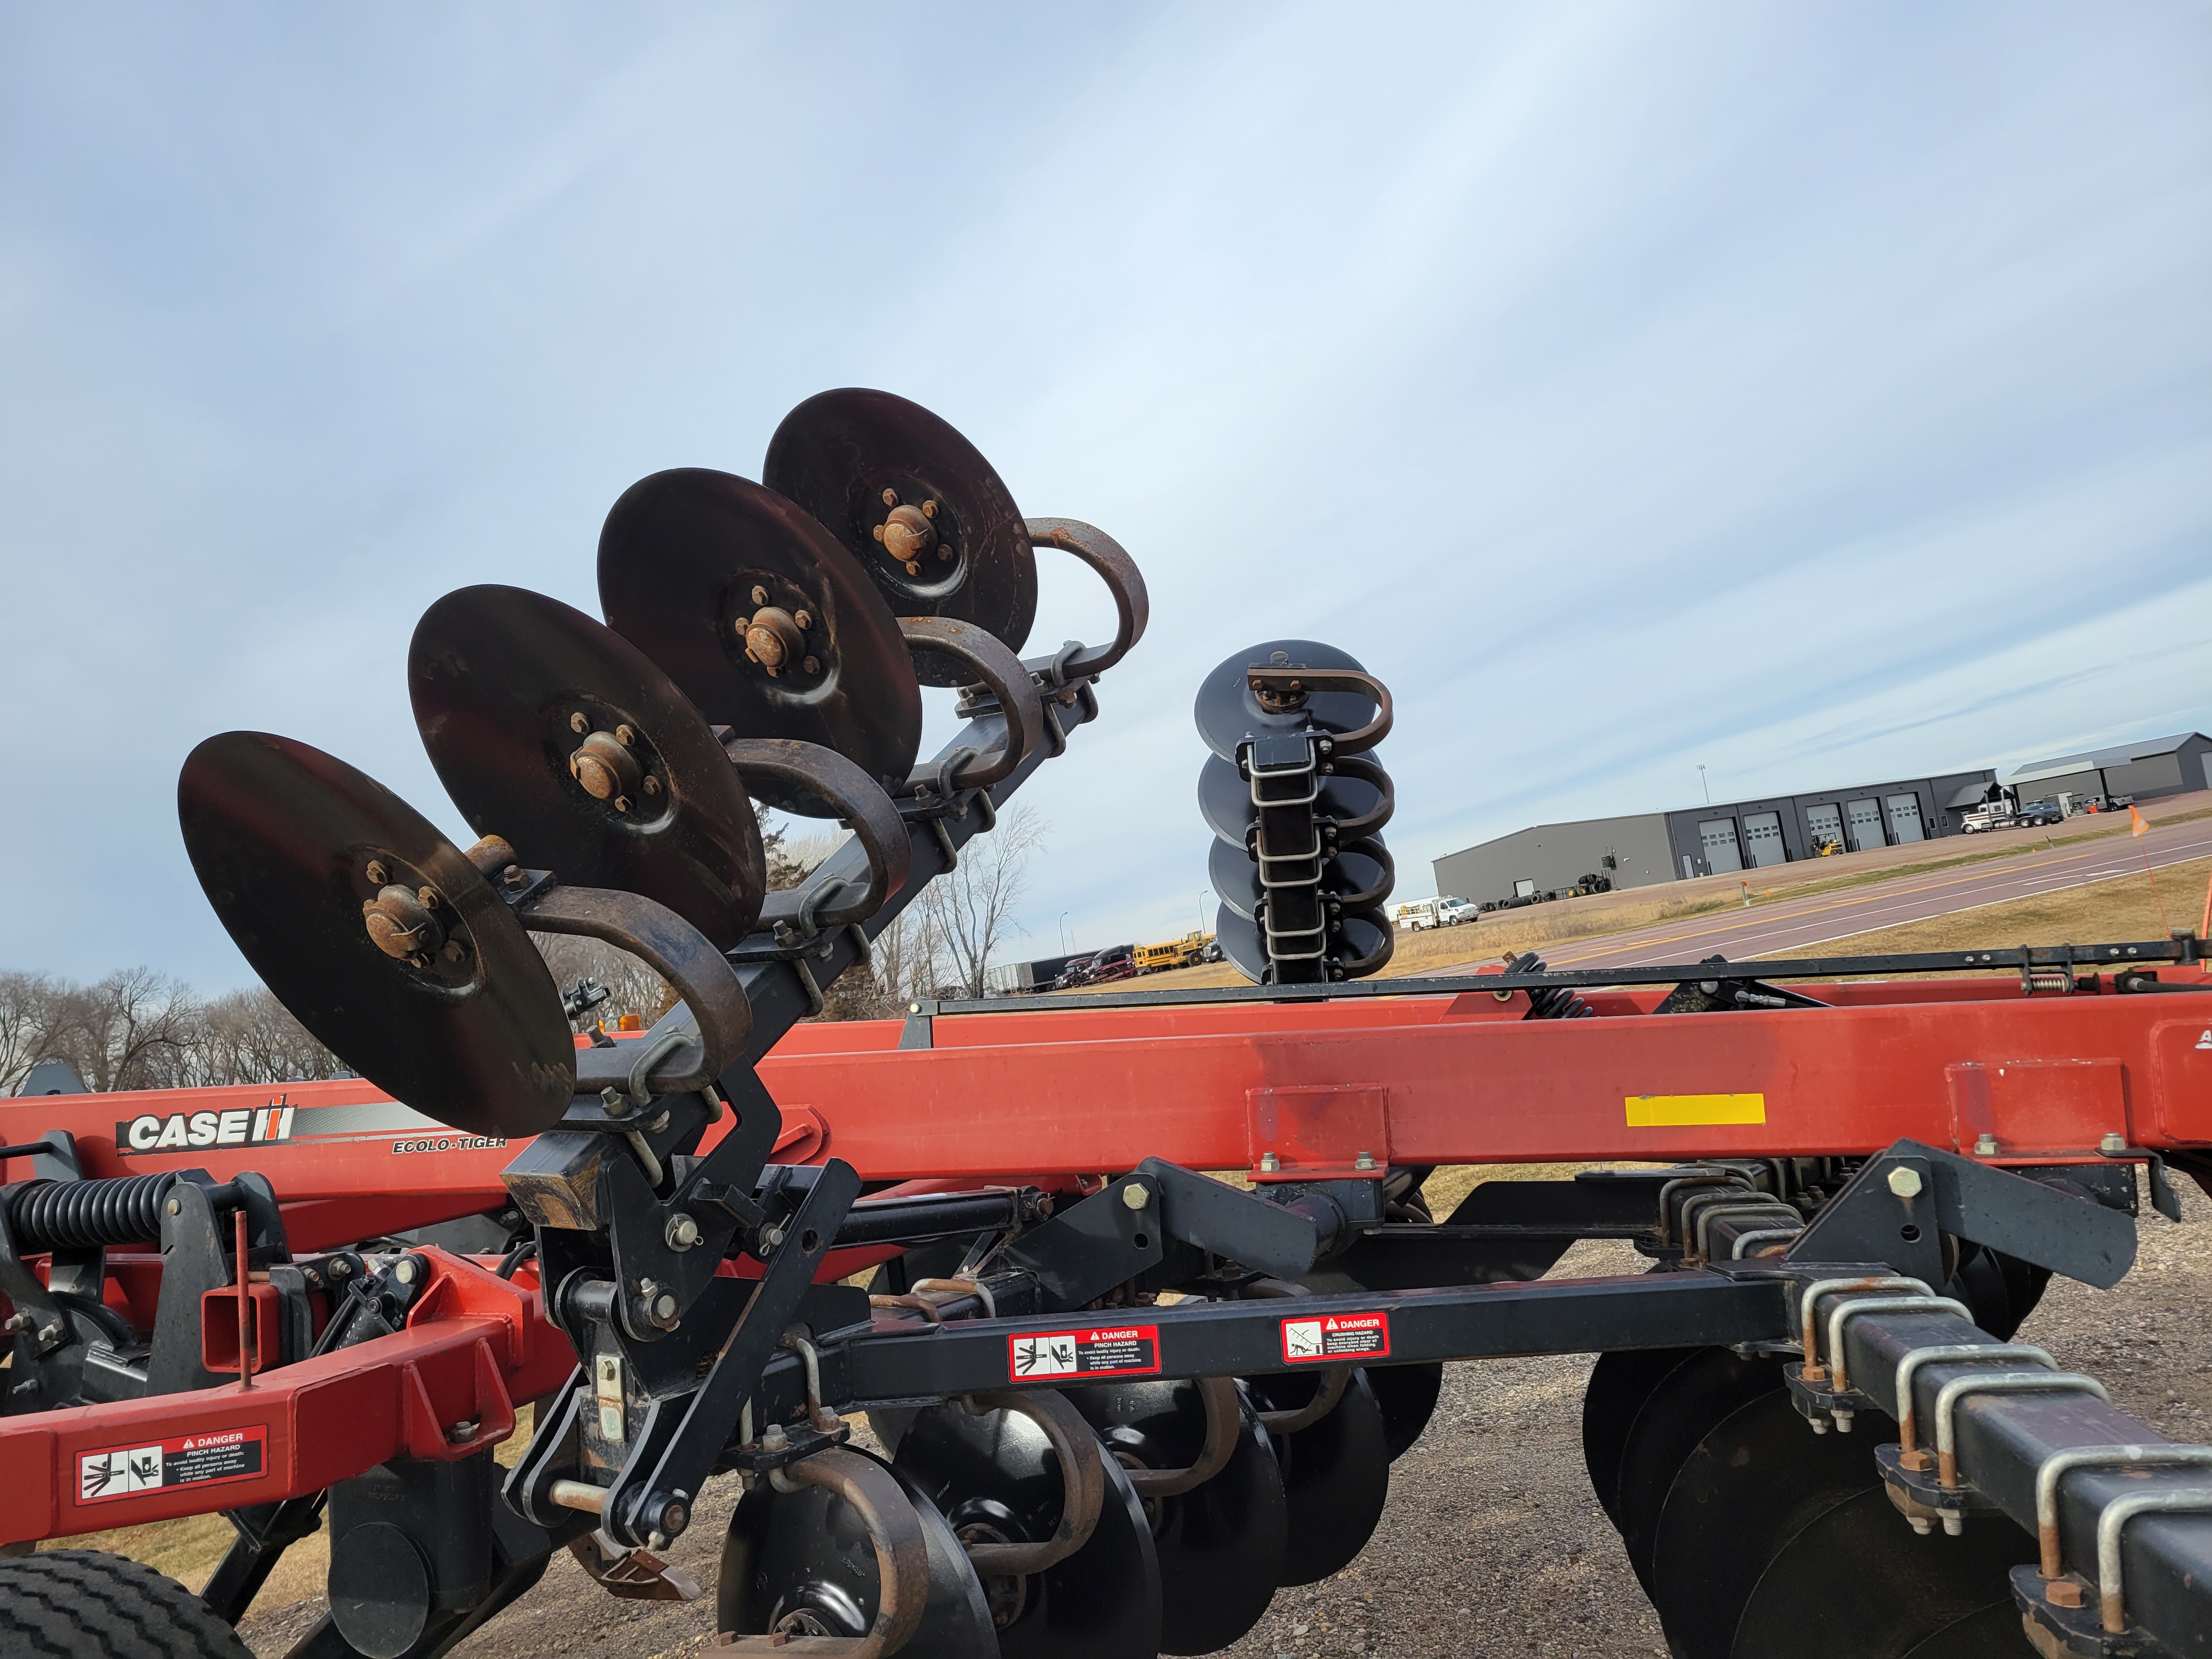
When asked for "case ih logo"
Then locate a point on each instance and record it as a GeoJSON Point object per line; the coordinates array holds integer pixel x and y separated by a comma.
{"type": "Point", "coordinates": [254, 1126]}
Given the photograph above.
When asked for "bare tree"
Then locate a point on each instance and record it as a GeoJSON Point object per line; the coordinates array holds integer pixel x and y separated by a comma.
{"type": "Point", "coordinates": [971, 908]}
{"type": "Point", "coordinates": [248, 1037]}
{"type": "Point", "coordinates": [30, 1012]}
{"type": "Point", "coordinates": [134, 1030]}
{"type": "Point", "coordinates": [632, 988]}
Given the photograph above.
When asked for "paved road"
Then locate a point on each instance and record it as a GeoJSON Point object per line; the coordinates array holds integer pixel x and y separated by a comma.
{"type": "Point", "coordinates": [1797, 925]}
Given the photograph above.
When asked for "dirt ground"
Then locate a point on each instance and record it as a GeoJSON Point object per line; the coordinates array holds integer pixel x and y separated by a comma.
{"type": "Point", "coordinates": [1492, 1544]}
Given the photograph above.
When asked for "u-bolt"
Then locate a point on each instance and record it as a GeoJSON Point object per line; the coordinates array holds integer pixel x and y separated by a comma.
{"type": "Point", "coordinates": [1908, 1367]}
{"type": "Point", "coordinates": [2112, 1605]}
{"type": "Point", "coordinates": [1223, 1416]}
{"type": "Point", "coordinates": [1082, 1483]}
{"type": "Point", "coordinates": [1948, 1398]}
{"type": "Point", "coordinates": [1334, 1379]}
{"type": "Point", "coordinates": [821, 1419]}
{"type": "Point", "coordinates": [1807, 1309]}
{"type": "Point", "coordinates": [2092, 1457]}
{"type": "Point", "coordinates": [1850, 1310]}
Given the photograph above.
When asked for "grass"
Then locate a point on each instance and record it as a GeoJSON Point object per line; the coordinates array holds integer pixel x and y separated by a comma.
{"type": "Point", "coordinates": [2141, 905]}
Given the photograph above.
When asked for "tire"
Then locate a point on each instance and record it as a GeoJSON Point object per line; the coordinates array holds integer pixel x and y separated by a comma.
{"type": "Point", "coordinates": [78, 1604]}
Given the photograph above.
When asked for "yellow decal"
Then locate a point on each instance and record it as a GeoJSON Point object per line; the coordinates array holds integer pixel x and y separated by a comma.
{"type": "Point", "coordinates": [1694, 1111]}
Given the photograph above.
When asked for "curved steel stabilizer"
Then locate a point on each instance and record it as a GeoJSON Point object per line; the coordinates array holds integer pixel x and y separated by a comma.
{"type": "Point", "coordinates": [839, 1555]}
{"type": "Point", "coordinates": [1058, 1584]}
{"type": "Point", "coordinates": [1213, 1492]}
{"type": "Point", "coordinates": [1329, 1433]}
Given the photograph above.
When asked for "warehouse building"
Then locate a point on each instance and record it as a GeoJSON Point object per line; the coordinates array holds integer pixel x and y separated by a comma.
{"type": "Point", "coordinates": [2145, 770]}
{"type": "Point", "coordinates": [1649, 847]}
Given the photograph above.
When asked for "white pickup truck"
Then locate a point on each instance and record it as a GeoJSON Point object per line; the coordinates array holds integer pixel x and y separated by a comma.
{"type": "Point", "coordinates": [1444, 912]}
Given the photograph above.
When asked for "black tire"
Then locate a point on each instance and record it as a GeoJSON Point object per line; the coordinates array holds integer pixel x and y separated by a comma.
{"type": "Point", "coordinates": [79, 1604]}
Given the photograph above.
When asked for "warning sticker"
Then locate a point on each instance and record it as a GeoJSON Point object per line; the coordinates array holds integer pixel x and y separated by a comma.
{"type": "Point", "coordinates": [1106, 1351]}
{"type": "Point", "coordinates": [196, 1460]}
{"type": "Point", "coordinates": [1336, 1336]}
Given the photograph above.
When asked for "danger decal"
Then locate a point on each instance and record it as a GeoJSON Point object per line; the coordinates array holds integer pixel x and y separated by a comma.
{"type": "Point", "coordinates": [1319, 1337]}
{"type": "Point", "coordinates": [194, 1459]}
{"type": "Point", "coordinates": [1104, 1351]}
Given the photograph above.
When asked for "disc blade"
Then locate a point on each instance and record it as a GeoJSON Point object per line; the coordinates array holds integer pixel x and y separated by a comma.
{"type": "Point", "coordinates": [532, 711]}
{"type": "Point", "coordinates": [1336, 1473]}
{"type": "Point", "coordinates": [841, 454]}
{"type": "Point", "coordinates": [1619, 1385]}
{"type": "Point", "coordinates": [1225, 800]}
{"type": "Point", "coordinates": [1856, 1583]}
{"type": "Point", "coordinates": [1241, 947]}
{"type": "Point", "coordinates": [690, 558]}
{"type": "Point", "coordinates": [1221, 1546]}
{"type": "Point", "coordinates": [1679, 1412]}
{"type": "Point", "coordinates": [283, 836]}
{"type": "Point", "coordinates": [1227, 712]}
{"type": "Point", "coordinates": [994, 1476]}
{"type": "Point", "coordinates": [1408, 1396]}
{"type": "Point", "coordinates": [1359, 872]}
{"type": "Point", "coordinates": [1993, 1632]}
{"type": "Point", "coordinates": [1752, 1482]}
{"type": "Point", "coordinates": [802, 1560]}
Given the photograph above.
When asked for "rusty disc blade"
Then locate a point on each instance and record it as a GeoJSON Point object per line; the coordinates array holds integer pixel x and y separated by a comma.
{"type": "Point", "coordinates": [468, 1030]}
{"type": "Point", "coordinates": [697, 568]}
{"type": "Point", "coordinates": [1227, 712]}
{"type": "Point", "coordinates": [917, 504]}
{"type": "Point", "coordinates": [549, 728]}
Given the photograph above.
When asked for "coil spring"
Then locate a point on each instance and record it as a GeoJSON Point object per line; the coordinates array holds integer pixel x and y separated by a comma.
{"type": "Point", "coordinates": [63, 1215]}
{"type": "Point", "coordinates": [1550, 1001]}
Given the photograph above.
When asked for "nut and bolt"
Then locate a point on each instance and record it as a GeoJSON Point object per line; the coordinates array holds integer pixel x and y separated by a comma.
{"type": "Point", "coordinates": [376, 873]}
{"type": "Point", "coordinates": [1364, 1161]}
{"type": "Point", "coordinates": [15, 1323]}
{"type": "Point", "coordinates": [615, 1101]}
{"type": "Point", "coordinates": [2113, 1143]}
{"type": "Point", "coordinates": [770, 1237]}
{"type": "Point", "coordinates": [2063, 1593]}
{"type": "Point", "coordinates": [1135, 1196]}
{"type": "Point", "coordinates": [515, 877]}
{"type": "Point", "coordinates": [1985, 1146]}
{"type": "Point", "coordinates": [1905, 1181]}
{"type": "Point", "coordinates": [803, 618]}
{"type": "Point", "coordinates": [624, 736]}
{"type": "Point", "coordinates": [579, 723]}
{"type": "Point", "coordinates": [663, 1308]}
{"type": "Point", "coordinates": [462, 1433]}
{"type": "Point", "coordinates": [891, 498]}
{"type": "Point", "coordinates": [1269, 1163]}
{"type": "Point", "coordinates": [176, 1207]}
{"type": "Point", "coordinates": [405, 1272]}
{"type": "Point", "coordinates": [810, 666]}
{"type": "Point", "coordinates": [682, 1231]}
{"type": "Point", "coordinates": [760, 596]}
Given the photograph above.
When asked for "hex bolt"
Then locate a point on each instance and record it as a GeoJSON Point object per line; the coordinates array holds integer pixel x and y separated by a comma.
{"type": "Point", "coordinates": [929, 509]}
{"type": "Point", "coordinates": [376, 873]}
{"type": "Point", "coordinates": [810, 666]}
{"type": "Point", "coordinates": [760, 596]}
{"type": "Point", "coordinates": [1364, 1161]}
{"type": "Point", "coordinates": [515, 877]}
{"type": "Point", "coordinates": [682, 1231]}
{"type": "Point", "coordinates": [1269, 1163]}
{"type": "Point", "coordinates": [624, 736]}
{"type": "Point", "coordinates": [1985, 1146]}
{"type": "Point", "coordinates": [2114, 1143]}
{"type": "Point", "coordinates": [1905, 1181]}
{"type": "Point", "coordinates": [1135, 1196]}
{"type": "Point", "coordinates": [651, 785]}
{"type": "Point", "coordinates": [462, 1433]}
{"type": "Point", "coordinates": [616, 1102]}
{"type": "Point", "coordinates": [15, 1323]}
{"type": "Point", "coordinates": [579, 723]}
{"type": "Point", "coordinates": [803, 618]}
{"type": "Point", "coordinates": [891, 498]}
{"type": "Point", "coordinates": [664, 1307]}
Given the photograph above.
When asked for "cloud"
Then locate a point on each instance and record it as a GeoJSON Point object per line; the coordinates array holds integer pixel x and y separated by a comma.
{"type": "Point", "coordinates": [1818, 394]}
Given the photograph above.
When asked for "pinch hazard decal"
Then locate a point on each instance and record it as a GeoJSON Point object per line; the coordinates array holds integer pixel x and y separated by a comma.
{"type": "Point", "coordinates": [1103, 1350]}
{"type": "Point", "coordinates": [1319, 1337]}
{"type": "Point", "coordinates": [1694, 1111]}
{"type": "Point", "coordinates": [195, 1460]}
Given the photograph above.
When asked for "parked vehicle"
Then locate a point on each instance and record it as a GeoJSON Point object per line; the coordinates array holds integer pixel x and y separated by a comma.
{"type": "Point", "coordinates": [1173, 953]}
{"type": "Point", "coordinates": [1119, 961]}
{"type": "Point", "coordinates": [1444, 911]}
{"type": "Point", "coordinates": [2041, 812]}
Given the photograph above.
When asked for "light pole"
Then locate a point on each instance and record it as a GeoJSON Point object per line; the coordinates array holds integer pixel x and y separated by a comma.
{"type": "Point", "coordinates": [1063, 933]}
{"type": "Point", "coordinates": [1202, 893]}
{"type": "Point", "coordinates": [1707, 787]}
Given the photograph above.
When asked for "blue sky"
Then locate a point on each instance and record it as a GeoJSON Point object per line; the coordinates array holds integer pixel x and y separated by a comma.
{"type": "Point", "coordinates": [1819, 393]}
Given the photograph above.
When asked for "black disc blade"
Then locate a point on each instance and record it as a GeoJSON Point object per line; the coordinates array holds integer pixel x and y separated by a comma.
{"type": "Point", "coordinates": [1225, 800]}
{"type": "Point", "coordinates": [802, 1561]}
{"type": "Point", "coordinates": [1619, 1385]}
{"type": "Point", "coordinates": [1336, 1473]}
{"type": "Point", "coordinates": [1752, 1482]}
{"type": "Point", "coordinates": [1681, 1411]}
{"type": "Point", "coordinates": [1994, 1632]}
{"type": "Point", "coordinates": [1241, 947]}
{"type": "Point", "coordinates": [1222, 1545]}
{"type": "Point", "coordinates": [690, 560]}
{"type": "Point", "coordinates": [283, 838]}
{"type": "Point", "coordinates": [1358, 873]}
{"type": "Point", "coordinates": [1227, 712]}
{"type": "Point", "coordinates": [995, 1478]}
{"type": "Point", "coordinates": [1856, 1583]}
{"type": "Point", "coordinates": [917, 504]}
{"type": "Point", "coordinates": [1408, 1396]}
{"type": "Point", "coordinates": [549, 728]}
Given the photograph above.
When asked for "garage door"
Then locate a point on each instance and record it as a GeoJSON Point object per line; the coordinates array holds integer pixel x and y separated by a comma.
{"type": "Point", "coordinates": [1762, 839]}
{"type": "Point", "coordinates": [1864, 819]}
{"type": "Point", "coordinates": [1826, 823]}
{"type": "Point", "coordinates": [1904, 818]}
{"type": "Point", "coordinates": [1718, 837]}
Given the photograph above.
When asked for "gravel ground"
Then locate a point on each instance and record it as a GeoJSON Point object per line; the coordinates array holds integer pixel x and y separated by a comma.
{"type": "Point", "coordinates": [1492, 1544]}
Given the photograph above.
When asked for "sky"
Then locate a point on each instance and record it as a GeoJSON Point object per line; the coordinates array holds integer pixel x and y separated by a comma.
{"type": "Point", "coordinates": [1820, 393]}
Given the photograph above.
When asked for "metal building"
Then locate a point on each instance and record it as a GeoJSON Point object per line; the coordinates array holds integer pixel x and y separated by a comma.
{"type": "Point", "coordinates": [1645, 848]}
{"type": "Point", "coordinates": [2145, 770]}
